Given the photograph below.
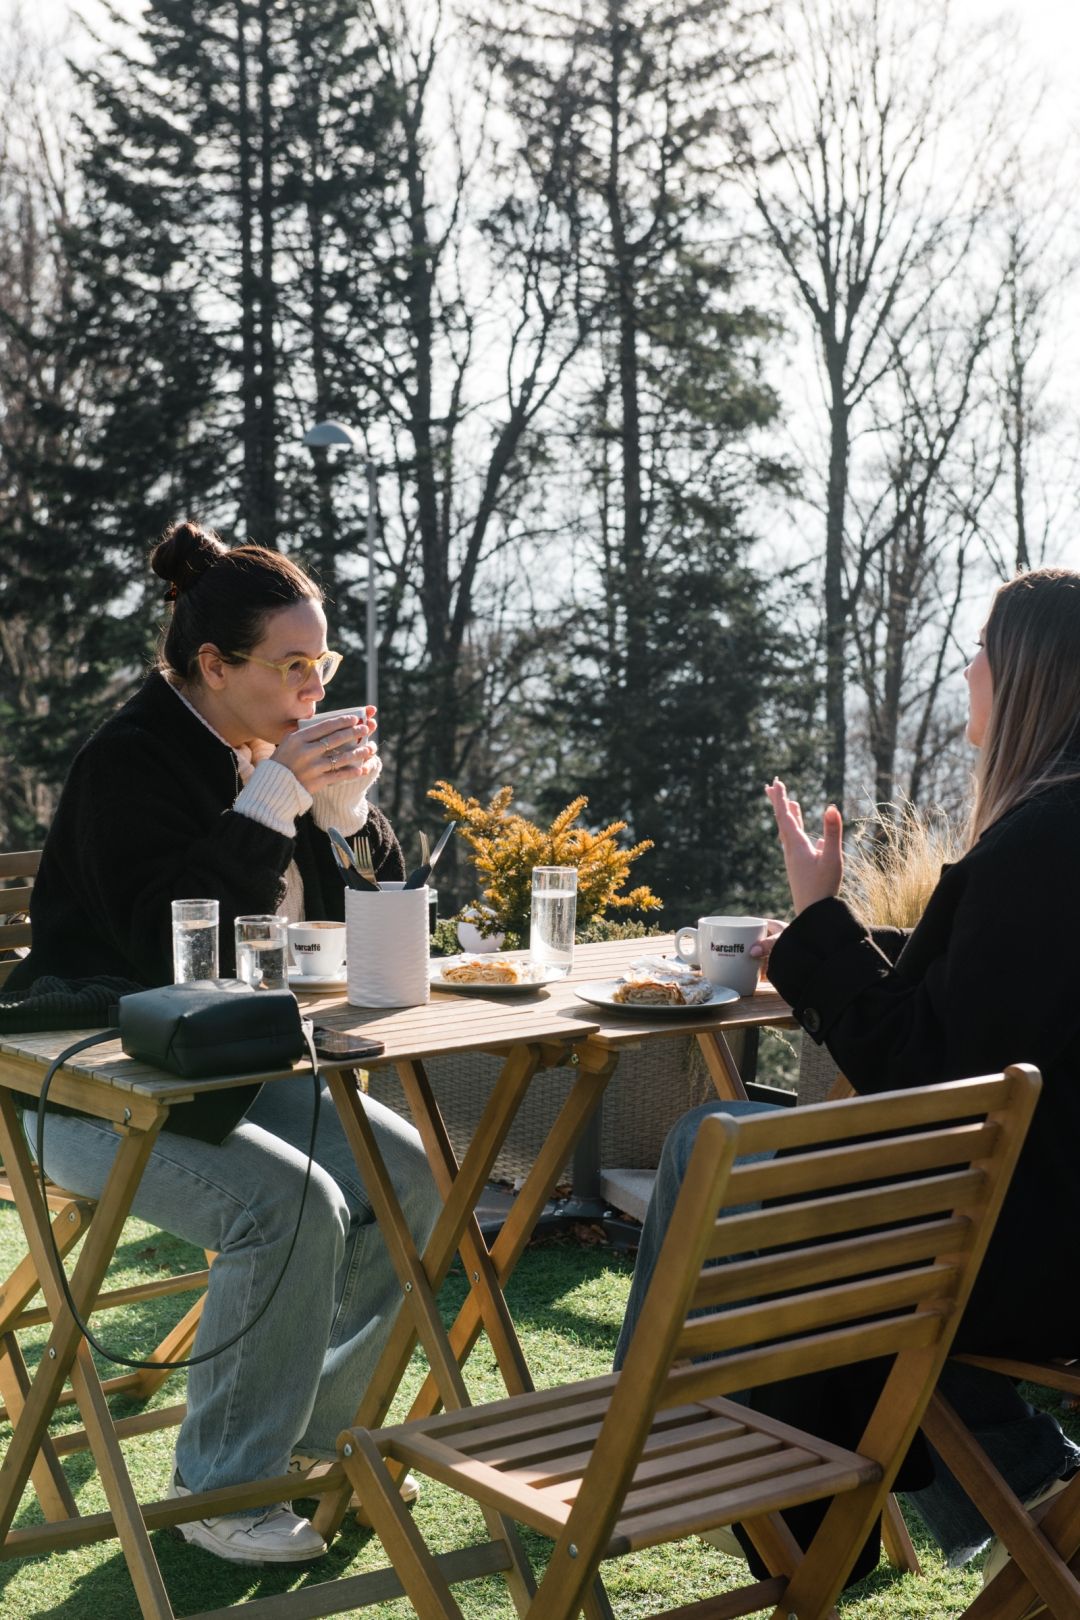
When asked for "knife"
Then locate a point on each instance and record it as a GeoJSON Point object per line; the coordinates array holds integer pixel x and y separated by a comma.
{"type": "Point", "coordinates": [417, 879]}
{"type": "Point", "coordinates": [347, 866]}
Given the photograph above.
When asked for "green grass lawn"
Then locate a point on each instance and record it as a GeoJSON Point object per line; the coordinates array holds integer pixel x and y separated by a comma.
{"type": "Point", "coordinates": [567, 1300]}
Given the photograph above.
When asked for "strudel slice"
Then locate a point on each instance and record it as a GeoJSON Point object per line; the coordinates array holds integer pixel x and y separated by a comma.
{"type": "Point", "coordinates": [485, 970]}
{"type": "Point", "coordinates": [656, 989]}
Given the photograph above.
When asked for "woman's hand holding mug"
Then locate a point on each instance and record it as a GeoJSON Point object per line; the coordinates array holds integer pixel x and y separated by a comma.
{"type": "Point", "coordinates": [329, 749]}
{"type": "Point", "coordinates": [815, 869]}
{"type": "Point", "coordinates": [762, 950]}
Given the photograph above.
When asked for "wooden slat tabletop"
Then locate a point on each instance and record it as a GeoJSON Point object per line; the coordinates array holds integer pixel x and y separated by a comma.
{"type": "Point", "coordinates": [452, 1022]}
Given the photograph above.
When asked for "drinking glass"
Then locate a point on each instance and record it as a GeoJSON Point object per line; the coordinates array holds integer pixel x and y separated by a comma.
{"type": "Point", "coordinates": [194, 940]}
{"type": "Point", "coordinates": [554, 913]}
{"type": "Point", "coordinates": [262, 951]}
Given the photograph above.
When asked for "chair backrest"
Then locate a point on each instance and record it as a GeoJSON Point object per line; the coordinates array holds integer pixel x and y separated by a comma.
{"type": "Point", "coordinates": [862, 1239]}
{"type": "Point", "coordinates": [17, 873]}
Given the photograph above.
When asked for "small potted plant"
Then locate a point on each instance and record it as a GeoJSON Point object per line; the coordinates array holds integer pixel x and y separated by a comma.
{"type": "Point", "coordinates": [505, 846]}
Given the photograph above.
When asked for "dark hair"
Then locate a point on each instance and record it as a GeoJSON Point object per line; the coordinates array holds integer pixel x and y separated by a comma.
{"type": "Point", "coordinates": [1033, 735]}
{"type": "Point", "coordinates": [220, 596]}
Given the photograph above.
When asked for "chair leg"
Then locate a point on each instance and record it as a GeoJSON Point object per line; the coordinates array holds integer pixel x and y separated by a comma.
{"type": "Point", "coordinates": [425, 1586]}
{"type": "Point", "coordinates": [1040, 1547]}
{"type": "Point", "coordinates": [899, 1549]}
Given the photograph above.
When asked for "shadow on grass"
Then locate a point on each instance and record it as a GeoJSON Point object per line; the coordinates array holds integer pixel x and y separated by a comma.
{"type": "Point", "coordinates": [195, 1580]}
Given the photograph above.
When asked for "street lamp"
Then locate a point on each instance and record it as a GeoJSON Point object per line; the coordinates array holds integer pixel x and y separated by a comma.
{"type": "Point", "coordinates": [321, 436]}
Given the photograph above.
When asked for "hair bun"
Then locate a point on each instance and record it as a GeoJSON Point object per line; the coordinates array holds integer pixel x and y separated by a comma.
{"type": "Point", "coordinates": [184, 552]}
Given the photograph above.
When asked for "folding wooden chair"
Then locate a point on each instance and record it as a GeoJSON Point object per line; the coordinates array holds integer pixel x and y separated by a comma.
{"type": "Point", "coordinates": [854, 1246]}
{"type": "Point", "coordinates": [1043, 1542]}
{"type": "Point", "coordinates": [72, 1216]}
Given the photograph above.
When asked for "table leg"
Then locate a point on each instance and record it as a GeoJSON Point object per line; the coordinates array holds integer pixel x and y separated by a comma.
{"type": "Point", "coordinates": [594, 1071]}
{"type": "Point", "coordinates": [68, 1351]}
{"type": "Point", "coordinates": [422, 1277]}
{"type": "Point", "coordinates": [475, 1256]}
{"type": "Point", "coordinates": [720, 1061]}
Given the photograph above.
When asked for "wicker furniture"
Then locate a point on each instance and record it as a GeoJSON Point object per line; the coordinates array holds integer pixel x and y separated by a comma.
{"type": "Point", "coordinates": [811, 1281]}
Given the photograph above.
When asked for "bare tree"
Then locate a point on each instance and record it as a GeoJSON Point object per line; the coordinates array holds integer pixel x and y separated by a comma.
{"type": "Point", "coordinates": [481, 326]}
{"type": "Point", "coordinates": [869, 201]}
{"type": "Point", "coordinates": [1038, 493]}
{"type": "Point", "coordinates": [914, 527]}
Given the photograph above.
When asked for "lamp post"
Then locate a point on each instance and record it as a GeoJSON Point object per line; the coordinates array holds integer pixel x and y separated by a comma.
{"type": "Point", "coordinates": [321, 436]}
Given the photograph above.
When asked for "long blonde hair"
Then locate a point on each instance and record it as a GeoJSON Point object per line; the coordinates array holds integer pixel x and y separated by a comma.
{"type": "Point", "coordinates": [1032, 737]}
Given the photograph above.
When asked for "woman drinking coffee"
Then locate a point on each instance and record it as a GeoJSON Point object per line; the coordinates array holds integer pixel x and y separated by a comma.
{"type": "Point", "coordinates": [203, 785]}
{"type": "Point", "coordinates": [987, 978]}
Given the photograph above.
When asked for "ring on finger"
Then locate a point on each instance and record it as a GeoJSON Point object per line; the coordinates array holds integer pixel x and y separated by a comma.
{"type": "Point", "coordinates": [326, 747]}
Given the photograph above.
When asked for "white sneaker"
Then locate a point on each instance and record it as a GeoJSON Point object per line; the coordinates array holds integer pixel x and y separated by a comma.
{"type": "Point", "coordinates": [998, 1556]}
{"type": "Point", "coordinates": [276, 1536]}
{"type": "Point", "coordinates": [724, 1539]}
{"type": "Point", "coordinates": [408, 1486]}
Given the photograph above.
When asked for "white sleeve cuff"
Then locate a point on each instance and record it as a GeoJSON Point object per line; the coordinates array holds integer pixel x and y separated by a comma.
{"type": "Point", "coordinates": [274, 797]}
{"type": "Point", "coordinates": [344, 804]}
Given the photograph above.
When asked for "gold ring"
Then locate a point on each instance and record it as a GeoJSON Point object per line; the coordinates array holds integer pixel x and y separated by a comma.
{"type": "Point", "coordinates": [326, 745]}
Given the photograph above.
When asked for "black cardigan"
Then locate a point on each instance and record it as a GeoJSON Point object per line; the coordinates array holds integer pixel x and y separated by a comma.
{"type": "Point", "coordinates": [989, 977]}
{"type": "Point", "coordinates": [145, 818]}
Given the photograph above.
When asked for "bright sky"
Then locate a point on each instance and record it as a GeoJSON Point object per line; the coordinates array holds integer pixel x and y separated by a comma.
{"type": "Point", "coordinates": [1050, 29]}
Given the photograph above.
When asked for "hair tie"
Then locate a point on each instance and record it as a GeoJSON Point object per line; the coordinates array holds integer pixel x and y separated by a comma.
{"type": "Point", "coordinates": [171, 594]}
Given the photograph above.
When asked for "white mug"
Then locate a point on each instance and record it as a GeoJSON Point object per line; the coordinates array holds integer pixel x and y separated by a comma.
{"type": "Point", "coordinates": [318, 948]}
{"type": "Point", "coordinates": [357, 709]}
{"type": "Point", "coordinates": [721, 948]}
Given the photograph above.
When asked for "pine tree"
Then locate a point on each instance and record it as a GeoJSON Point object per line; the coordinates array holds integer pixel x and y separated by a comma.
{"type": "Point", "coordinates": [679, 687]}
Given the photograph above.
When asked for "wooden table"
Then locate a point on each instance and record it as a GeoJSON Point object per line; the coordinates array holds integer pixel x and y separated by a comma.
{"type": "Point", "coordinates": [538, 1030]}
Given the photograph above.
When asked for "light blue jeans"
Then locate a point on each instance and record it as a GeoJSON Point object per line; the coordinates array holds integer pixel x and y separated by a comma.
{"type": "Point", "coordinates": [1026, 1446]}
{"type": "Point", "coordinates": [295, 1381]}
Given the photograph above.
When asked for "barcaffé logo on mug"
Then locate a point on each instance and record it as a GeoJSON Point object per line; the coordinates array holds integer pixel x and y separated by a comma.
{"type": "Point", "coordinates": [725, 950]}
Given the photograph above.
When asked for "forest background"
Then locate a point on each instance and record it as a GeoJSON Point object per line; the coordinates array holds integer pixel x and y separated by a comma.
{"type": "Point", "coordinates": [709, 353]}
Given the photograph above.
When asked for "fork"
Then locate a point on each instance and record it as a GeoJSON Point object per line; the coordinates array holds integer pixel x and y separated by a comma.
{"type": "Point", "coordinates": [364, 860]}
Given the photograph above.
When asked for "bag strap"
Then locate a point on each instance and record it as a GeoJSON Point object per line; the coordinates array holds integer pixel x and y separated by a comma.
{"type": "Point", "coordinates": [84, 1328]}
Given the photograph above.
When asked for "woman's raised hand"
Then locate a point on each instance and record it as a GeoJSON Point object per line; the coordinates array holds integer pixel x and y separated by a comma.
{"type": "Point", "coordinates": [815, 868]}
{"type": "Point", "coordinates": [334, 750]}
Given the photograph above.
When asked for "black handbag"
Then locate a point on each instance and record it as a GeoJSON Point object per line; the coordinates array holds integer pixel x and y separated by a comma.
{"type": "Point", "coordinates": [212, 1027]}
{"type": "Point", "coordinates": [207, 1028]}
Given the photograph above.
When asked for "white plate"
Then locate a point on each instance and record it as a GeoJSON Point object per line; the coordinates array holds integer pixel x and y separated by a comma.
{"type": "Point", "coordinates": [435, 974]}
{"type": "Point", "coordinates": [601, 993]}
{"type": "Point", "coordinates": [299, 980]}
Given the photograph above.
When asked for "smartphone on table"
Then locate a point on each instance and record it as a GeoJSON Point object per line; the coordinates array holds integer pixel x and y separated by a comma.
{"type": "Point", "coordinates": [342, 1047]}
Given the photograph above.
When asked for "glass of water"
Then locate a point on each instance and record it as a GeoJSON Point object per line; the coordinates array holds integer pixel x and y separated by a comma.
{"type": "Point", "coordinates": [262, 950]}
{"type": "Point", "coordinates": [554, 913]}
{"type": "Point", "coordinates": [194, 940]}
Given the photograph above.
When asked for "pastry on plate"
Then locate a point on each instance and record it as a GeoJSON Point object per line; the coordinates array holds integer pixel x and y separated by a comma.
{"type": "Point", "coordinates": [657, 989]}
{"type": "Point", "coordinates": [485, 970]}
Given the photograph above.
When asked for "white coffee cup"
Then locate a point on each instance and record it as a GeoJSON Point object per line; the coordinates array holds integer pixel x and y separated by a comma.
{"type": "Point", "coordinates": [721, 948]}
{"type": "Point", "coordinates": [318, 948]}
{"type": "Point", "coordinates": [332, 714]}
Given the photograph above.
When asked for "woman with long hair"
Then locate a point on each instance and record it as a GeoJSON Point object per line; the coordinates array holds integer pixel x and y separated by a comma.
{"type": "Point", "coordinates": [203, 785]}
{"type": "Point", "coordinates": [987, 978]}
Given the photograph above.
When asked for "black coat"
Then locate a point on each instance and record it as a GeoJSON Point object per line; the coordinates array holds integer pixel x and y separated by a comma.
{"type": "Point", "coordinates": [990, 976]}
{"type": "Point", "coordinates": [145, 818]}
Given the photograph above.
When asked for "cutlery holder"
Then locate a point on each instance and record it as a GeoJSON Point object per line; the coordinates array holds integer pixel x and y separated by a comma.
{"type": "Point", "coordinates": [386, 947]}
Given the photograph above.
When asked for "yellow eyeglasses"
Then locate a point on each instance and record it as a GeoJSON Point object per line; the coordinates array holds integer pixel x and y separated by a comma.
{"type": "Point", "coordinates": [295, 671]}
